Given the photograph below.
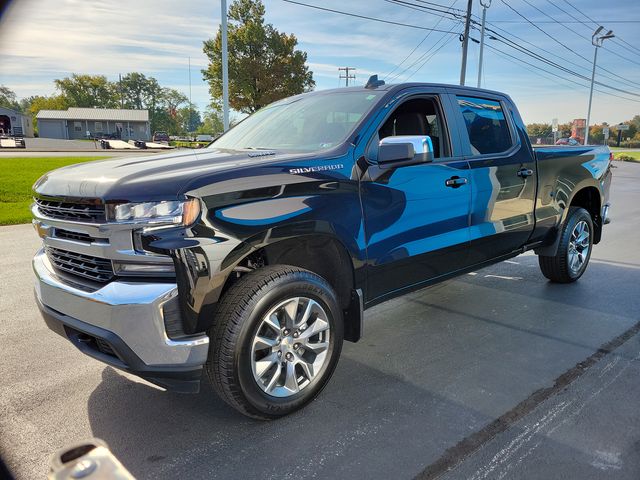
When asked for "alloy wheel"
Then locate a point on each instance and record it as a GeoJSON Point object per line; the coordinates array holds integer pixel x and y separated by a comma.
{"type": "Point", "coordinates": [578, 246]}
{"type": "Point", "coordinates": [290, 346]}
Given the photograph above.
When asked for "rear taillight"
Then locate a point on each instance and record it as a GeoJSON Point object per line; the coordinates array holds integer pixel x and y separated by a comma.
{"type": "Point", "coordinates": [611, 156]}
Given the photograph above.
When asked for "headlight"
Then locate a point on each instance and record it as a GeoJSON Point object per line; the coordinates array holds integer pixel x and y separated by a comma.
{"type": "Point", "coordinates": [172, 212]}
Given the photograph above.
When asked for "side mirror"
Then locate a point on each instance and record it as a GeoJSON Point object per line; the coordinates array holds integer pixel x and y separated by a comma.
{"type": "Point", "coordinates": [402, 150]}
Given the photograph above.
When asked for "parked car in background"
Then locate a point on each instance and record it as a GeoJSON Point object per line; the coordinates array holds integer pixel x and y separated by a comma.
{"type": "Point", "coordinates": [204, 138]}
{"type": "Point", "coordinates": [571, 141]}
{"type": "Point", "coordinates": [252, 260]}
{"type": "Point", "coordinates": [161, 137]}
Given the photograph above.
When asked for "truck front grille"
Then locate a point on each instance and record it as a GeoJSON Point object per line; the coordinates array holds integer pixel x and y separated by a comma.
{"type": "Point", "coordinates": [76, 236]}
{"type": "Point", "coordinates": [78, 212]}
{"type": "Point", "coordinates": [85, 266]}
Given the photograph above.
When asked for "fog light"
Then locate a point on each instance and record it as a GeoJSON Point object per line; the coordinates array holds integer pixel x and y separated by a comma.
{"type": "Point", "coordinates": [148, 269]}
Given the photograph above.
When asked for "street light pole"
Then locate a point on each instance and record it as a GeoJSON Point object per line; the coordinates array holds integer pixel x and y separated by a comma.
{"type": "Point", "coordinates": [225, 68]}
{"type": "Point", "coordinates": [596, 41]}
{"type": "Point", "coordinates": [485, 4]}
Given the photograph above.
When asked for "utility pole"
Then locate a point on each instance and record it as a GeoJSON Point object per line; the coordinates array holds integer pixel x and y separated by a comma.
{"type": "Point", "coordinates": [465, 43]}
{"type": "Point", "coordinates": [225, 68]}
{"type": "Point", "coordinates": [121, 92]}
{"type": "Point", "coordinates": [346, 75]}
{"type": "Point", "coordinates": [485, 5]}
{"type": "Point", "coordinates": [596, 41]}
{"type": "Point", "coordinates": [190, 104]}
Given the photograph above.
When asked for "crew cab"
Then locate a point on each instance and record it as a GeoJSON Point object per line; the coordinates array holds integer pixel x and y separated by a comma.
{"type": "Point", "coordinates": [253, 259]}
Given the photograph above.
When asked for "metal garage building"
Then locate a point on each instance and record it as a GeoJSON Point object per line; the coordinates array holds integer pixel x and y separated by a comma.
{"type": "Point", "coordinates": [74, 123]}
{"type": "Point", "coordinates": [15, 123]}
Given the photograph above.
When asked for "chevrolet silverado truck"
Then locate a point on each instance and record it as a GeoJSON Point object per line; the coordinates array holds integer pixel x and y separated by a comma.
{"type": "Point", "coordinates": [252, 260]}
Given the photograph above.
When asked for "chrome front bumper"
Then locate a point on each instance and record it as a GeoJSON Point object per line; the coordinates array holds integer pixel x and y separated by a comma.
{"type": "Point", "coordinates": [127, 315]}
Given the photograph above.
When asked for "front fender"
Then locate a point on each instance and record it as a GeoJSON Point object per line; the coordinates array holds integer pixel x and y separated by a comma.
{"type": "Point", "coordinates": [206, 255]}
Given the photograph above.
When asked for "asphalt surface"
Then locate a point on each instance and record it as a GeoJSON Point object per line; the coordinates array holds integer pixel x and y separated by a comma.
{"type": "Point", "coordinates": [497, 374]}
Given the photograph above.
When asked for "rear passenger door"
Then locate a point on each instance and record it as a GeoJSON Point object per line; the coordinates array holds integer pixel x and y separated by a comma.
{"type": "Point", "coordinates": [502, 176]}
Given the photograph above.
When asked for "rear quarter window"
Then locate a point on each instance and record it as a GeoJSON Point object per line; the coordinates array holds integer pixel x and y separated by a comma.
{"type": "Point", "coordinates": [486, 125]}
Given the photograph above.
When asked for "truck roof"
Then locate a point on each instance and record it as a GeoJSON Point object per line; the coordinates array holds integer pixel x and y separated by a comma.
{"type": "Point", "coordinates": [401, 86]}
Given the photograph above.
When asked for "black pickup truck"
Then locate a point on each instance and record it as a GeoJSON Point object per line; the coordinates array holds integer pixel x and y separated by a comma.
{"type": "Point", "coordinates": [253, 259]}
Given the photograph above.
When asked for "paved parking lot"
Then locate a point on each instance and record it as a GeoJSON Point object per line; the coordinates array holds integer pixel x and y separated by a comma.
{"type": "Point", "coordinates": [498, 374]}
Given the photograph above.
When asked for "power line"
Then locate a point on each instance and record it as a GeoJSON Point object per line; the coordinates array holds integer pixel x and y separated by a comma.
{"type": "Point", "coordinates": [618, 39]}
{"type": "Point", "coordinates": [416, 47]}
{"type": "Point", "coordinates": [462, 12]}
{"type": "Point", "coordinates": [546, 60]}
{"type": "Point", "coordinates": [537, 67]}
{"type": "Point", "coordinates": [555, 20]}
{"type": "Point", "coordinates": [590, 25]}
{"type": "Point", "coordinates": [543, 31]}
{"type": "Point", "coordinates": [444, 44]}
{"type": "Point", "coordinates": [570, 21]}
{"type": "Point", "coordinates": [616, 77]}
{"type": "Point", "coordinates": [430, 11]}
{"type": "Point", "coordinates": [365, 17]}
{"type": "Point", "coordinates": [560, 43]}
{"type": "Point", "coordinates": [581, 12]}
{"type": "Point", "coordinates": [422, 57]}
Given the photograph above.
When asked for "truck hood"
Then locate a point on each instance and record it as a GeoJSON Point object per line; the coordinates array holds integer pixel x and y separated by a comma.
{"type": "Point", "coordinates": [151, 177]}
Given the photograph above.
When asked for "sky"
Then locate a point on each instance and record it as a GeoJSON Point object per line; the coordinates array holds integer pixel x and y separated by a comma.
{"type": "Point", "coordinates": [41, 40]}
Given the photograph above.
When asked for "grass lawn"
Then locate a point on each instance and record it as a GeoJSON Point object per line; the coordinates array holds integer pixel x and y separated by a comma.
{"type": "Point", "coordinates": [634, 155]}
{"type": "Point", "coordinates": [17, 175]}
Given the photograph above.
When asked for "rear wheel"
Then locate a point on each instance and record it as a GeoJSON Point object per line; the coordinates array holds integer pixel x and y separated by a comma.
{"type": "Point", "coordinates": [574, 249]}
{"type": "Point", "coordinates": [276, 341]}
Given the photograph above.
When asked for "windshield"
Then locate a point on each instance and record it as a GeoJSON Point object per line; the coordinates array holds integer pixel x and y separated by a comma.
{"type": "Point", "coordinates": [304, 123]}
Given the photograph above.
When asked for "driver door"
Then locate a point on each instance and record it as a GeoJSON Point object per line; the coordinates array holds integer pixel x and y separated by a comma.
{"type": "Point", "coordinates": [416, 223]}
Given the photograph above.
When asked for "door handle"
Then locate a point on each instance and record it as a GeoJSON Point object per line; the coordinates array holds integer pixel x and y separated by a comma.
{"type": "Point", "coordinates": [525, 172]}
{"type": "Point", "coordinates": [455, 182]}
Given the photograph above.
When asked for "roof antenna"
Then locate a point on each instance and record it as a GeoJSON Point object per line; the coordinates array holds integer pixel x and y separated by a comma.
{"type": "Point", "coordinates": [373, 82]}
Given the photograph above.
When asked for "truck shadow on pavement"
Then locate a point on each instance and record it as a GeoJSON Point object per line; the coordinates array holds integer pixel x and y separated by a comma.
{"type": "Point", "coordinates": [431, 370]}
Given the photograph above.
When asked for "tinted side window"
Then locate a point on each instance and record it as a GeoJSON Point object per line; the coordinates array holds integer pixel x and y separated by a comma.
{"type": "Point", "coordinates": [486, 125]}
{"type": "Point", "coordinates": [418, 116]}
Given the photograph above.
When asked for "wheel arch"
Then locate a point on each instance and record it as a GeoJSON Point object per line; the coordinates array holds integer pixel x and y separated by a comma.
{"type": "Point", "coordinates": [590, 199]}
{"type": "Point", "coordinates": [586, 196]}
{"type": "Point", "coordinates": [321, 253]}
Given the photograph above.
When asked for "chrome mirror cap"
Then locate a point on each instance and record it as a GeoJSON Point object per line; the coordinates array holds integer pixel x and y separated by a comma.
{"type": "Point", "coordinates": [422, 145]}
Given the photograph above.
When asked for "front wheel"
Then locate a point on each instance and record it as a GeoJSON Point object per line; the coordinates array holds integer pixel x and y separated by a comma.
{"type": "Point", "coordinates": [276, 340]}
{"type": "Point", "coordinates": [574, 249]}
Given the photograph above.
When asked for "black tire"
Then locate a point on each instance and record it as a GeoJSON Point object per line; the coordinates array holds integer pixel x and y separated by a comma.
{"type": "Point", "coordinates": [557, 268]}
{"type": "Point", "coordinates": [238, 318]}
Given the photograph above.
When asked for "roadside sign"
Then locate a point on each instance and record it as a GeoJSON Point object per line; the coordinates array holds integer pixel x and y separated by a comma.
{"type": "Point", "coordinates": [554, 125]}
{"type": "Point", "coordinates": [605, 132]}
{"type": "Point", "coordinates": [622, 127]}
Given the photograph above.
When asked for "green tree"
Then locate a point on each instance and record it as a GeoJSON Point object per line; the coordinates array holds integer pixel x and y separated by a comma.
{"type": "Point", "coordinates": [165, 114]}
{"type": "Point", "coordinates": [211, 123]}
{"type": "Point", "coordinates": [596, 135]}
{"type": "Point", "coordinates": [189, 119]}
{"type": "Point", "coordinates": [88, 91]}
{"type": "Point", "coordinates": [264, 65]}
{"type": "Point", "coordinates": [8, 98]}
{"type": "Point", "coordinates": [37, 103]}
{"type": "Point", "coordinates": [135, 90]}
{"type": "Point", "coordinates": [539, 130]}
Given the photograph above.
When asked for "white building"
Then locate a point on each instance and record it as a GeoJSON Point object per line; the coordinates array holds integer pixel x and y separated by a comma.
{"type": "Point", "coordinates": [76, 123]}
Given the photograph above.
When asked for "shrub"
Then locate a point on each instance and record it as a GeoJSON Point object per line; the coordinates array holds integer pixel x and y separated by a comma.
{"type": "Point", "coordinates": [626, 158]}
